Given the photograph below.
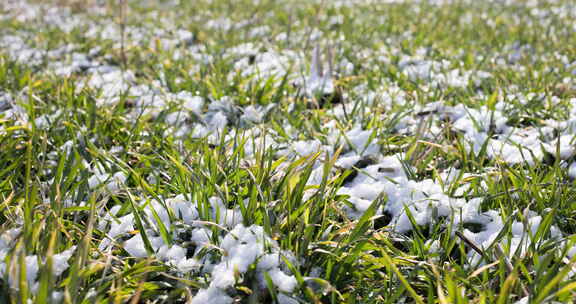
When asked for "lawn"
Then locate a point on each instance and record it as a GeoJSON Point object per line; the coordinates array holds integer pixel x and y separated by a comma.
{"type": "Point", "coordinates": [287, 151]}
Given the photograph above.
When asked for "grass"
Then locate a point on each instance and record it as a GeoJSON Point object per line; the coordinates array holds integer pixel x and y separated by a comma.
{"type": "Point", "coordinates": [64, 130]}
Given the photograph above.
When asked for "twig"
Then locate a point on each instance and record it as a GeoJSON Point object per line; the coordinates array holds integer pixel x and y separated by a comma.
{"type": "Point", "coordinates": [123, 7]}
{"type": "Point", "coordinates": [499, 254]}
{"type": "Point", "coordinates": [510, 191]}
{"type": "Point", "coordinates": [472, 245]}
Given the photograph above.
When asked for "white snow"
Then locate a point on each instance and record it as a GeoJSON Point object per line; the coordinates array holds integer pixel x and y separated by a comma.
{"type": "Point", "coordinates": [33, 264]}
{"type": "Point", "coordinates": [242, 247]}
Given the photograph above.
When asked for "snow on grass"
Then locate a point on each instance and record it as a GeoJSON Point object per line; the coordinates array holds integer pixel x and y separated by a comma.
{"type": "Point", "coordinates": [241, 248]}
{"type": "Point", "coordinates": [420, 127]}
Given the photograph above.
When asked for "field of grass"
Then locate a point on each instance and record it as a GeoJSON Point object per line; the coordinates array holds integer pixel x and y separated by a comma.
{"type": "Point", "coordinates": [287, 151]}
